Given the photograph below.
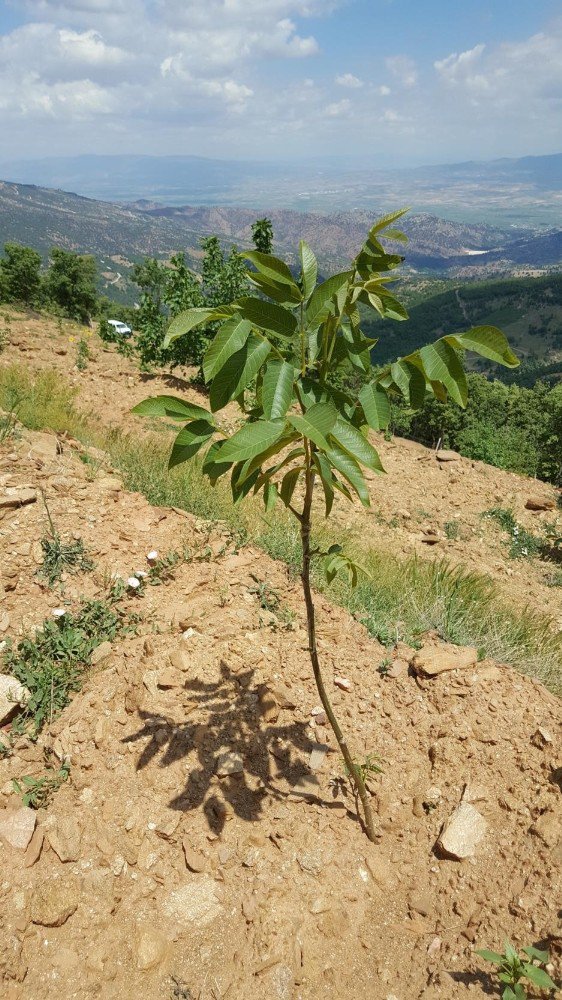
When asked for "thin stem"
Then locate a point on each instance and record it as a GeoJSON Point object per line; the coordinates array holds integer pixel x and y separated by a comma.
{"type": "Point", "coordinates": [352, 768]}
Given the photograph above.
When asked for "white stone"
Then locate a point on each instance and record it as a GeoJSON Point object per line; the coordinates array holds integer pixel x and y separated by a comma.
{"type": "Point", "coordinates": [462, 832]}
{"type": "Point", "coordinates": [12, 696]}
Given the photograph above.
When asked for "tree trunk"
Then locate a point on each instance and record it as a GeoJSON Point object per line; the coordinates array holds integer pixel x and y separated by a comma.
{"type": "Point", "coordinates": [353, 769]}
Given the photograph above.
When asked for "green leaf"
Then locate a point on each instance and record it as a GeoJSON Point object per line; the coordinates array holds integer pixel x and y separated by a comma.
{"type": "Point", "coordinates": [277, 390]}
{"type": "Point", "coordinates": [171, 407]}
{"type": "Point", "coordinates": [410, 381]}
{"type": "Point", "coordinates": [230, 338]}
{"type": "Point", "coordinates": [508, 994]}
{"type": "Point", "coordinates": [270, 494]}
{"type": "Point", "coordinates": [309, 268]}
{"type": "Point", "coordinates": [376, 406]}
{"type": "Point", "coordinates": [489, 956]}
{"type": "Point", "coordinates": [212, 465]}
{"type": "Point", "coordinates": [191, 318]}
{"type": "Point", "coordinates": [271, 267]}
{"type": "Point", "coordinates": [350, 470]}
{"type": "Point", "coordinates": [267, 316]}
{"type": "Point", "coordinates": [441, 363]}
{"type": "Point", "coordinates": [538, 976]}
{"type": "Point", "coordinates": [396, 234]}
{"type": "Point", "coordinates": [532, 952]}
{"type": "Point", "coordinates": [251, 439]}
{"type": "Point", "coordinates": [290, 480]}
{"type": "Point", "coordinates": [511, 952]}
{"type": "Point", "coordinates": [284, 294]}
{"type": "Point", "coordinates": [316, 423]}
{"type": "Point", "coordinates": [385, 221]}
{"type": "Point", "coordinates": [327, 480]}
{"type": "Point", "coordinates": [487, 341]}
{"type": "Point", "coordinates": [237, 373]}
{"type": "Point", "coordinates": [189, 440]}
{"type": "Point", "coordinates": [320, 304]}
{"type": "Point", "coordinates": [353, 441]}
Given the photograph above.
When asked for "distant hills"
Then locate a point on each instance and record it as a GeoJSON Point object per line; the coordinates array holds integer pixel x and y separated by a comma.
{"type": "Point", "coordinates": [120, 234]}
{"type": "Point", "coordinates": [523, 192]}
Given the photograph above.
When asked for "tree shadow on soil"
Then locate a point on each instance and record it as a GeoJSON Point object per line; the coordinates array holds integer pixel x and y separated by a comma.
{"type": "Point", "coordinates": [482, 979]}
{"type": "Point", "coordinates": [228, 714]}
{"type": "Point", "coordinates": [171, 381]}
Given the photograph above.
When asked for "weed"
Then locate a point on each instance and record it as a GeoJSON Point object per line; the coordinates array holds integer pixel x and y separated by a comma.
{"type": "Point", "coordinates": [452, 530]}
{"type": "Point", "coordinates": [512, 969]}
{"type": "Point", "coordinates": [163, 570]}
{"type": "Point", "coordinates": [82, 355]}
{"type": "Point", "coordinates": [384, 666]}
{"type": "Point", "coordinates": [367, 767]}
{"type": "Point", "coordinates": [268, 598]}
{"type": "Point", "coordinates": [59, 556]}
{"type": "Point", "coordinates": [52, 663]}
{"type": "Point", "coordinates": [522, 544]}
{"type": "Point", "coordinates": [37, 792]}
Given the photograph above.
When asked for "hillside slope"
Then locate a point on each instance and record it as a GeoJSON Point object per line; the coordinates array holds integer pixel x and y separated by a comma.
{"type": "Point", "coordinates": [157, 871]}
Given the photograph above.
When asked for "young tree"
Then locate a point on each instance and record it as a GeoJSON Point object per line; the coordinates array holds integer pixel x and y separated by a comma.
{"type": "Point", "coordinates": [300, 431]}
{"type": "Point", "coordinates": [262, 235]}
{"type": "Point", "coordinates": [20, 279]}
{"type": "Point", "coordinates": [70, 284]}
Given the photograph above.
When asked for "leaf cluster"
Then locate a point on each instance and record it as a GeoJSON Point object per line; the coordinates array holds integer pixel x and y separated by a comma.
{"type": "Point", "coordinates": [512, 969]}
{"type": "Point", "coordinates": [276, 353]}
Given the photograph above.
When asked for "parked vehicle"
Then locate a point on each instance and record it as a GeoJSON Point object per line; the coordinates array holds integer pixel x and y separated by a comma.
{"type": "Point", "coordinates": [120, 328]}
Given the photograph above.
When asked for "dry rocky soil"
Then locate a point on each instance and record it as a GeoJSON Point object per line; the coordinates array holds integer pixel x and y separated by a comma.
{"type": "Point", "coordinates": [205, 844]}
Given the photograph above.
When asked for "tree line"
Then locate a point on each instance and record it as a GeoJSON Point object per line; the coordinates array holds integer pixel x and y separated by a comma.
{"type": "Point", "coordinates": [514, 427]}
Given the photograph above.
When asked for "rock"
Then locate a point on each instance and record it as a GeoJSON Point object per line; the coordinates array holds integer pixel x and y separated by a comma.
{"type": "Point", "coordinates": [269, 706]}
{"type": "Point", "coordinates": [193, 904]}
{"type": "Point", "coordinates": [317, 756]}
{"type": "Point", "coordinates": [421, 902]}
{"type": "Point", "coordinates": [64, 838]}
{"type": "Point", "coordinates": [445, 455]}
{"type": "Point", "coordinates": [549, 828]}
{"type": "Point", "coordinates": [17, 826]}
{"type": "Point", "coordinates": [540, 503]}
{"type": "Point", "coordinates": [194, 861]}
{"type": "Point", "coordinates": [431, 537]}
{"type": "Point", "coordinates": [55, 900]}
{"type": "Point", "coordinates": [462, 832]}
{"type": "Point", "coordinates": [169, 677]}
{"type": "Point", "coordinates": [13, 695]}
{"type": "Point", "coordinates": [180, 659]}
{"type": "Point", "coordinates": [432, 660]}
{"type": "Point", "coordinates": [14, 498]}
{"type": "Point", "coordinates": [151, 948]}
{"type": "Point", "coordinates": [166, 823]}
{"type": "Point", "coordinates": [343, 683]}
{"type": "Point", "coordinates": [44, 447]}
{"type": "Point", "coordinates": [34, 848]}
{"type": "Point", "coordinates": [229, 763]}
{"type": "Point", "coordinates": [101, 652]}
{"type": "Point", "coordinates": [541, 738]}
{"type": "Point", "coordinates": [398, 668]}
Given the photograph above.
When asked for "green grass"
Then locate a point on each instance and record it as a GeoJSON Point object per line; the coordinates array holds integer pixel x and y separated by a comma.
{"type": "Point", "coordinates": [405, 597]}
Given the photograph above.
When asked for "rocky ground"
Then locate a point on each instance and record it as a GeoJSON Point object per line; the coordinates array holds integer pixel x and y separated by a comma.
{"type": "Point", "coordinates": [205, 844]}
{"type": "Point", "coordinates": [430, 507]}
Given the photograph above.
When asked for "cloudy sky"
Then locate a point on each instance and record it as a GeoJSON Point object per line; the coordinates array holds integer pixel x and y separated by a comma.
{"type": "Point", "coordinates": [404, 81]}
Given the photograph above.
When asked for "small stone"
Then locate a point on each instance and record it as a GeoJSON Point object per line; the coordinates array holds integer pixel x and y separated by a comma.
{"type": "Point", "coordinates": [194, 861]}
{"type": "Point", "coordinates": [151, 948]}
{"type": "Point", "coordinates": [317, 756]}
{"type": "Point", "coordinates": [194, 904]}
{"type": "Point", "coordinates": [168, 677]}
{"type": "Point", "coordinates": [398, 668]}
{"type": "Point", "coordinates": [445, 455]}
{"type": "Point", "coordinates": [421, 902]}
{"type": "Point", "coordinates": [14, 498]}
{"type": "Point", "coordinates": [541, 738]}
{"type": "Point", "coordinates": [13, 695]}
{"type": "Point", "coordinates": [55, 900]}
{"type": "Point", "coordinates": [432, 660]}
{"type": "Point", "coordinates": [462, 832]}
{"type": "Point", "coordinates": [17, 826]}
{"type": "Point", "coordinates": [101, 652]}
{"type": "Point", "coordinates": [34, 848]}
{"type": "Point", "coordinates": [229, 763]}
{"type": "Point", "coordinates": [549, 828]}
{"type": "Point", "coordinates": [269, 706]}
{"type": "Point", "coordinates": [343, 683]}
{"type": "Point", "coordinates": [64, 838]}
{"type": "Point", "coordinates": [434, 946]}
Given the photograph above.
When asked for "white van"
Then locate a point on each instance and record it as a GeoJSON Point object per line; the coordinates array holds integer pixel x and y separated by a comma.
{"type": "Point", "coordinates": [121, 329]}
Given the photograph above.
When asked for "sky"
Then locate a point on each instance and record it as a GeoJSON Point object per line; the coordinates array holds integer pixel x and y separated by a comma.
{"type": "Point", "coordinates": [402, 82]}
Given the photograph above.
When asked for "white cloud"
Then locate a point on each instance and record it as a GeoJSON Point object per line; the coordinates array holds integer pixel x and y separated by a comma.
{"type": "Point", "coordinates": [403, 70]}
{"type": "Point", "coordinates": [339, 109]}
{"type": "Point", "coordinates": [349, 80]}
{"type": "Point", "coordinates": [383, 91]}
